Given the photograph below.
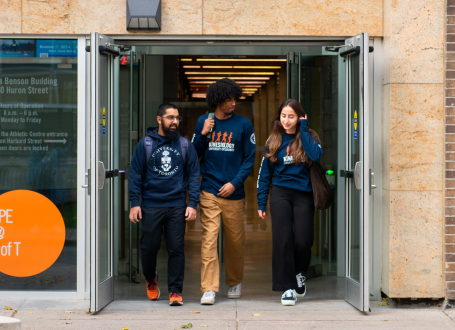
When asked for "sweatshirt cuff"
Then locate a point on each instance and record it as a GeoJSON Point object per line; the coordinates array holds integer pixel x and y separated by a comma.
{"type": "Point", "coordinates": [235, 183]}
{"type": "Point", "coordinates": [193, 205]}
{"type": "Point", "coordinates": [304, 125]}
{"type": "Point", "coordinates": [262, 208]}
{"type": "Point", "coordinates": [135, 202]}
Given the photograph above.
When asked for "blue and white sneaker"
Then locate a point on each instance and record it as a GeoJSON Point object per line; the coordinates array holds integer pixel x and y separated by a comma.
{"type": "Point", "coordinates": [301, 287]}
{"type": "Point", "coordinates": [288, 298]}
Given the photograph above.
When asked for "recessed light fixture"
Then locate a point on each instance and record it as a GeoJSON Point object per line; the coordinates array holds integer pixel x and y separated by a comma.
{"type": "Point", "coordinates": [230, 73]}
{"type": "Point", "coordinates": [191, 66]}
{"type": "Point", "coordinates": [233, 78]}
{"type": "Point", "coordinates": [241, 60]}
{"type": "Point", "coordinates": [186, 59]}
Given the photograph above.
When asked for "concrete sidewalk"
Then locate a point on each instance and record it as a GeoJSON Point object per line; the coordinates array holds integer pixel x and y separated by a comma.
{"type": "Point", "coordinates": [225, 314]}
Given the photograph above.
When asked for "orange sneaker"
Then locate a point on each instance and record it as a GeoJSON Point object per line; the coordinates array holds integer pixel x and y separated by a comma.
{"type": "Point", "coordinates": [153, 292]}
{"type": "Point", "coordinates": [175, 299]}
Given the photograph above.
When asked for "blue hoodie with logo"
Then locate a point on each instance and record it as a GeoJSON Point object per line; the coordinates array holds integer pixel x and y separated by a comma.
{"type": "Point", "coordinates": [161, 182]}
{"type": "Point", "coordinates": [228, 156]}
{"type": "Point", "coordinates": [284, 172]}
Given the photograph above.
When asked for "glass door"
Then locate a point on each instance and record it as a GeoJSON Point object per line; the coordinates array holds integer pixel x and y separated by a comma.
{"type": "Point", "coordinates": [357, 173]}
{"type": "Point", "coordinates": [101, 173]}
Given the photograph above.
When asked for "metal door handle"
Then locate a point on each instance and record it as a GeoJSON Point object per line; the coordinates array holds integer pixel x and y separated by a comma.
{"type": "Point", "coordinates": [111, 174]}
{"type": "Point", "coordinates": [347, 174]}
{"type": "Point", "coordinates": [85, 186]}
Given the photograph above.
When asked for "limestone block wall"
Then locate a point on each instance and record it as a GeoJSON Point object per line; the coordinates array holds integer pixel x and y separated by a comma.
{"type": "Point", "coordinates": [413, 149]}
{"type": "Point", "coordinates": [212, 17]}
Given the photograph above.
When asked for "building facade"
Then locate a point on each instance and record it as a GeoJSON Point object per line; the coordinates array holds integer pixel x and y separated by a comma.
{"type": "Point", "coordinates": [412, 226]}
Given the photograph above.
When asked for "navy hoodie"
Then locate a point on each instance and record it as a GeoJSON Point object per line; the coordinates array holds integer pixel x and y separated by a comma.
{"type": "Point", "coordinates": [228, 156]}
{"type": "Point", "coordinates": [161, 182]}
{"type": "Point", "coordinates": [284, 172]}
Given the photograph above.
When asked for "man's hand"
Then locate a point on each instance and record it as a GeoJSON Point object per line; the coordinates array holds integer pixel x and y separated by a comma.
{"type": "Point", "coordinates": [209, 123]}
{"type": "Point", "coordinates": [226, 190]}
{"type": "Point", "coordinates": [261, 214]}
{"type": "Point", "coordinates": [190, 214]}
{"type": "Point", "coordinates": [135, 214]}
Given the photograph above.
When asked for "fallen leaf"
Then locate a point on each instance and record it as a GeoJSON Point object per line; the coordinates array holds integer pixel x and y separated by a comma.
{"type": "Point", "coordinates": [69, 322]}
{"type": "Point", "coordinates": [31, 312]}
{"type": "Point", "coordinates": [187, 326]}
{"type": "Point", "coordinates": [385, 303]}
{"type": "Point", "coordinates": [196, 312]}
{"type": "Point", "coordinates": [8, 308]}
{"type": "Point", "coordinates": [125, 329]}
{"type": "Point", "coordinates": [204, 325]}
{"type": "Point", "coordinates": [385, 320]}
{"type": "Point", "coordinates": [68, 312]}
{"type": "Point", "coordinates": [88, 312]}
{"type": "Point", "coordinates": [256, 314]}
{"type": "Point", "coordinates": [58, 323]}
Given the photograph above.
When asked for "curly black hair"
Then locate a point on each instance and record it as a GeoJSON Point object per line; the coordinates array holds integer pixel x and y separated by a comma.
{"type": "Point", "coordinates": [221, 91]}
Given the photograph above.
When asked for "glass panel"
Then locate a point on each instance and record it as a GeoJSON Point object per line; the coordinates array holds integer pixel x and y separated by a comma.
{"type": "Point", "coordinates": [104, 156]}
{"type": "Point", "coordinates": [38, 143]}
{"type": "Point", "coordinates": [354, 195]}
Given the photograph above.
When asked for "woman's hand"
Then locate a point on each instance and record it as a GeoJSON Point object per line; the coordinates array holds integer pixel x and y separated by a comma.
{"type": "Point", "coordinates": [261, 214]}
{"type": "Point", "coordinates": [305, 118]}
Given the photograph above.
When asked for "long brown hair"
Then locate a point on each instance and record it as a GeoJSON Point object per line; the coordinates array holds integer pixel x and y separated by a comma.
{"type": "Point", "coordinates": [277, 131]}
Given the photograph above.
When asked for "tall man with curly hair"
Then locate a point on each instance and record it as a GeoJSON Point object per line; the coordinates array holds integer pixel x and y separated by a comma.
{"type": "Point", "coordinates": [225, 165]}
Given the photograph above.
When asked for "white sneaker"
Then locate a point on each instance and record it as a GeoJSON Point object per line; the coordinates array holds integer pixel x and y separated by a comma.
{"type": "Point", "coordinates": [208, 298]}
{"type": "Point", "coordinates": [235, 291]}
{"type": "Point", "coordinates": [288, 298]}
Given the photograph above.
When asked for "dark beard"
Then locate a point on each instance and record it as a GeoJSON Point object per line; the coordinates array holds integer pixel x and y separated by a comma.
{"type": "Point", "coordinates": [171, 134]}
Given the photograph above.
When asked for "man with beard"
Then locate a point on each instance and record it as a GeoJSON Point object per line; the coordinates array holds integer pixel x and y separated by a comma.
{"type": "Point", "coordinates": [162, 166]}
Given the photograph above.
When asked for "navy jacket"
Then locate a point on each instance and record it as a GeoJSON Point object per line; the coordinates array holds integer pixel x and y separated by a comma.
{"type": "Point", "coordinates": [284, 172]}
{"type": "Point", "coordinates": [161, 182]}
{"type": "Point", "coordinates": [228, 156]}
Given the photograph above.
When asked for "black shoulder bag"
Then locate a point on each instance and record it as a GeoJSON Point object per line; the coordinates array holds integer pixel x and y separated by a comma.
{"type": "Point", "coordinates": [322, 193]}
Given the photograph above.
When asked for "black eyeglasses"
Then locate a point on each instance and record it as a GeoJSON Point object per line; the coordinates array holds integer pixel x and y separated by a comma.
{"type": "Point", "coordinates": [172, 118]}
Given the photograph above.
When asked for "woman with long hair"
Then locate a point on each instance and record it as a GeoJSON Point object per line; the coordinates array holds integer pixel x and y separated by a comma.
{"type": "Point", "coordinates": [291, 149]}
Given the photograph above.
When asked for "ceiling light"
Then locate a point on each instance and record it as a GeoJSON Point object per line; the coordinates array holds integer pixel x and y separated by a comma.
{"type": "Point", "coordinates": [255, 86]}
{"type": "Point", "coordinates": [254, 67]}
{"type": "Point", "coordinates": [191, 66]}
{"type": "Point", "coordinates": [208, 82]}
{"type": "Point", "coordinates": [198, 95]}
{"type": "Point", "coordinates": [186, 59]}
{"type": "Point", "coordinates": [242, 97]}
{"type": "Point", "coordinates": [241, 60]}
{"type": "Point", "coordinates": [228, 73]}
{"type": "Point", "coordinates": [233, 78]}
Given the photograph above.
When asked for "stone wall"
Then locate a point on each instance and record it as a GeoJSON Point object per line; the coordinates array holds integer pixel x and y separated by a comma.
{"type": "Point", "coordinates": [212, 17]}
{"type": "Point", "coordinates": [413, 149]}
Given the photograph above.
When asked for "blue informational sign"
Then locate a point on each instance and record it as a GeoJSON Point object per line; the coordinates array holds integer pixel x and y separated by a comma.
{"type": "Point", "coordinates": [56, 48]}
{"type": "Point", "coordinates": [17, 48]}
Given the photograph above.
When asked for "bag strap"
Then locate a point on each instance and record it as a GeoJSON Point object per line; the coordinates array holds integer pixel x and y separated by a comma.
{"type": "Point", "coordinates": [184, 147]}
{"type": "Point", "coordinates": [148, 145]}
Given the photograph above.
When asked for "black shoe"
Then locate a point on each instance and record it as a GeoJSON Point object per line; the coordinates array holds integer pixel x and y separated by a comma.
{"type": "Point", "coordinates": [301, 287]}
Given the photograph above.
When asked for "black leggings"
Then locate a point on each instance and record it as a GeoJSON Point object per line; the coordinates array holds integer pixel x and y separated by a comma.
{"type": "Point", "coordinates": [293, 233]}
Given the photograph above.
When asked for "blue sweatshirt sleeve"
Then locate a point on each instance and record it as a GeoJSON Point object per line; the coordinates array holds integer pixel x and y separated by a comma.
{"type": "Point", "coordinates": [249, 152]}
{"type": "Point", "coordinates": [312, 149]}
{"type": "Point", "coordinates": [264, 181]}
{"type": "Point", "coordinates": [199, 141]}
{"type": "Point", "coordinates": [136, 171]}
{"type": "Point", "coordinates": [192, 174]}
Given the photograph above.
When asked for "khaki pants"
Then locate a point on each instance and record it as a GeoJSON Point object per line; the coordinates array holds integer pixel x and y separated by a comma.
{"type": "Point", "coordinates": [234, 240]}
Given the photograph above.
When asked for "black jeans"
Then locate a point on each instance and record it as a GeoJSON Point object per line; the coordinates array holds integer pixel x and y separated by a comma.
{"type": "Point", "coordinates": [172, 219]}
{"type": "Point", "coordinates": [292, 214]}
